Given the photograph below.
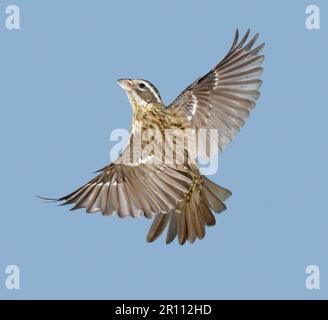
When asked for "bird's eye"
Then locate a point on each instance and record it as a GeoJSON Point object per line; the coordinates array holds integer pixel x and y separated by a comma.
{"type": "Point", "coordinates": [142, 86]}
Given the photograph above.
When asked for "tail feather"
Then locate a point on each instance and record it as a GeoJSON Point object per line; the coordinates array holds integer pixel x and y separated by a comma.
{"type": "Point", "coordinates": [198, 222]}
{"type": "Point", "coordinates": [182, 227]}
{"type": "Point", "coordinates": [215, 203]}
{"type": "Point", "coordinates": [158, 226]}
{"type": "Point", "coordinates": [190, 215]}
{"type": "Point", "coordinates": [173, 230]}
{"type": "Point", "coordinates": [215, 195]}
{"type": "Point", "coordinates": [222, 193]}
{"type": "Point", "coordinates": [208, 217]}
{"type": "Point", "coordinates": [188, 223]}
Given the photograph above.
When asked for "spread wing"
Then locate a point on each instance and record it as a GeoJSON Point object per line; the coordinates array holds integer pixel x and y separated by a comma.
{"type": "Point", "coordinates": [132, 189]}
{"type": "Point", "coordinates": [224, 97]}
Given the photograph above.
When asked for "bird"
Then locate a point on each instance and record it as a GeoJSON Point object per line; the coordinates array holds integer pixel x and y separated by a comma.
{"type": "Point", "coordinates": [175, 194]}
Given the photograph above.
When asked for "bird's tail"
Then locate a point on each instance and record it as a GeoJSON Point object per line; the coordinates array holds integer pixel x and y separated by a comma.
{"type": "Point", "coordinates": [188, 222]}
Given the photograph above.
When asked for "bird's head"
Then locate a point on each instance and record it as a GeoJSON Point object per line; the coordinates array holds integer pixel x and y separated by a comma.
{"type": "Point", "coordinates": [141, 93]}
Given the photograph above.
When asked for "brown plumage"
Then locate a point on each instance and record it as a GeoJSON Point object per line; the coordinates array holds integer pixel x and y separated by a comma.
{"type": "Point", "coordinates": [142, 182]}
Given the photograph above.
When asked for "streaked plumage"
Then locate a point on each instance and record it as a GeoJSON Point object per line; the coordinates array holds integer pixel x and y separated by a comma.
{"type": "Point", "coordinates": [179, 197]}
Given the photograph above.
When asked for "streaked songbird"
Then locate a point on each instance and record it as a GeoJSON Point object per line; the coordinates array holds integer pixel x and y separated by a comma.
{"type": "Point", "coordinates": [142, 183]}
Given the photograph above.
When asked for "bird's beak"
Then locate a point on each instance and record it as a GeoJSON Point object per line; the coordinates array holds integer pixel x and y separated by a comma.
{"type": "Point", "coordinates": [126, 84]}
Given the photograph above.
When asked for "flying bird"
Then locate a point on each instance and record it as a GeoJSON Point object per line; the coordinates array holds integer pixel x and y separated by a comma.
{"type": "Point", "coordinates": [141, 183]}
